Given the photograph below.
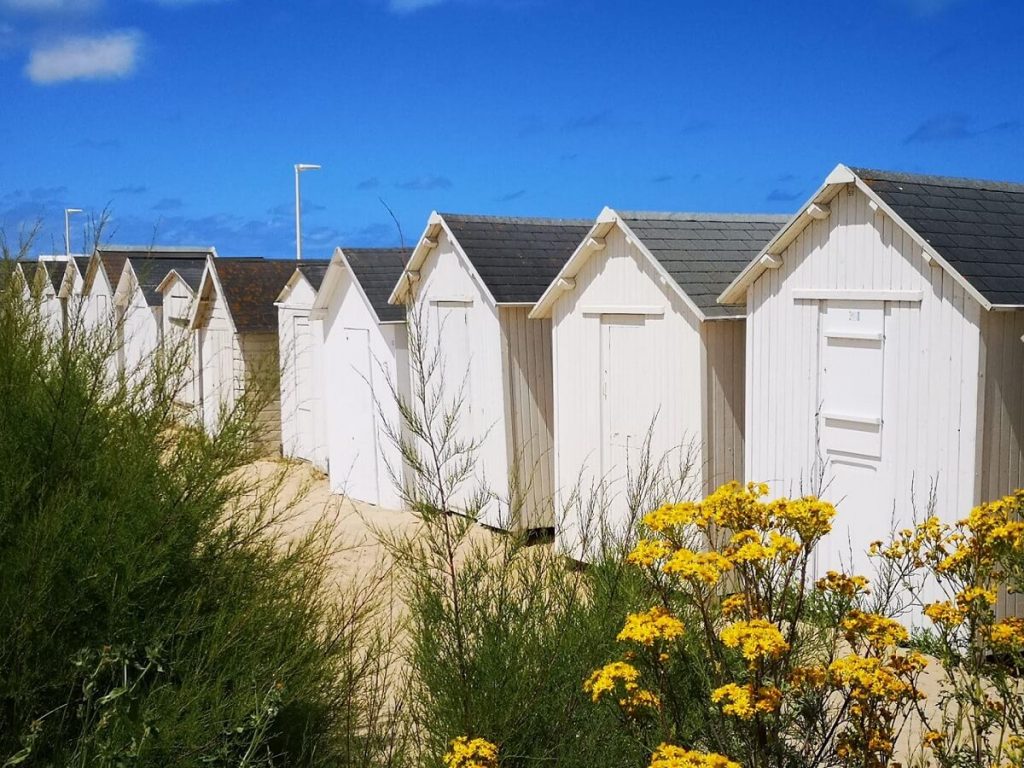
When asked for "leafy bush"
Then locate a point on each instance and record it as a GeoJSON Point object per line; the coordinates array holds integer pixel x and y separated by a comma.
{"type": "Point", "coordinates": [154, 610]}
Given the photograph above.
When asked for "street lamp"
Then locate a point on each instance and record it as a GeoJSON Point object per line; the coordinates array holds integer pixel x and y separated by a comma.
{"type": "Point", "coordinates": [298, 208]}
{"type": "Point", "coordinates": [67, 229]}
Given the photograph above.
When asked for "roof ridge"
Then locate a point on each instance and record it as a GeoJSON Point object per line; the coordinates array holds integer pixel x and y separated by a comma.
{"type": "Point", "coordinates": [939, 181]}
{"type": "Point", "coordinates": [768, 218]}
{"type": "Point", "coordinates": [543, 220]}
{"type": "Point", "coordinates": [156, 248]}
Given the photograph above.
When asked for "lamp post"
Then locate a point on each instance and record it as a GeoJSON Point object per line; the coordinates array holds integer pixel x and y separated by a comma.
{"type": "Point", "coordinates": [67, 229]}
{"type": "Point", "coordinates": [298, 207]}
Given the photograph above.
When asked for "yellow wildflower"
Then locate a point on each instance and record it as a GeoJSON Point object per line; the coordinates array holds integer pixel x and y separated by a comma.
{"type": "Point", "coordinates": [783, 546]}
{"type": "Point", "coordinates": [867, 678]}
{"type": "Point", "coordinates": [976, 597]}
{"type": "Point", "coordinates": [945, 613]}
{"type": "Point", "coordinates": [733, 605]}
{"type": "Point", "coordinates": [670, 756]}
{"type": "Point", "coordinates": [1007, 633]}
{"type": "Point", "coordinates": [841, 584]}
{"type": "Point", "coordinates": [607, 678]}
{"type": "Point", "coordinates": [746, 547]}
{"type": "Point", "coordinates": [650, 626]}
{"type": "Point", "coordinates": [743, 702]}
{"type": "Point", "coordinates": [649, 551]}
{"type": "Point", "coordinates": [808, 677]}
{"type": "Point", "coordinates": [471, 753]}
{"type": "Point", "coordinates": [879, 631]}
{"type": "Point", "coordinates": [932, 738]}
{"type": "Point", "coordinates": [638, 699]}
{"type": "Point", "coordinates": [700, 567]}
{"type": "Point", "coordinates": [810, 517]}
{"type": "Point", "coordinates": [757, 639]}
{"type": "Point", "coordinates": [669, 516]}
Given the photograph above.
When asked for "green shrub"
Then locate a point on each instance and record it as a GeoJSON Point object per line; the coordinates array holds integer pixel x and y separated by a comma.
{"type": "Point", "coordinates": [153, 611]}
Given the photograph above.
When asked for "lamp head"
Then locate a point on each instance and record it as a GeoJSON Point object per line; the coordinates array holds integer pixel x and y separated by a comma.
{"type": "Point", "coordinates": [307, 167]}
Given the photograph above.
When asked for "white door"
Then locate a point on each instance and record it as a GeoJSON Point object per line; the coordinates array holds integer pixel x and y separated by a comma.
{"type": "Point", "coordinates": [626, 410]}
{"type": "Point", "coordinates": [850, 423]}
{"type": "Point", "coordinates": [452, 319]}
{"type": "Point", "coordinates": [302, 370]}
{"type": "Point", "coordinates": [360, 472]}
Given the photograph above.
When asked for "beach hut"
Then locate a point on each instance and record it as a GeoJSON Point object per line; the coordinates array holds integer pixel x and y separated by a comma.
{"type": "Point", "coordinates": [471, 282]}
{"type": "Point", "coordinates": [364, 362]}
{"type": "Point", "coordinates": [646, 360]}
{"type": "Point", "coordinates": [178, 295]}
{"type": "Point", "coordinates": [72, 291]}
{"type": "Point", "coordinates": [139, 304]}
{"type": "Point", "coordinates": [42, 282]}
{"type": "Point", "coordinates": [884, 351]}
{"type": "Point", "coordinates": [236, 322]}
{"type": "Point", "coordinates": [299, 342]}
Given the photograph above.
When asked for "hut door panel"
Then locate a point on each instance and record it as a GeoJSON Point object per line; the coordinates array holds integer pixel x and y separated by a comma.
{"type": "Point", "coordinates": [850, 389]}
{"type": "Point", "coordinates": [302, 370]}
{"type": "Point", "coordinates": [361, 474]}
{"type": "Point", "coordinates": [452, 318]}
{"type": "Point", "coordinates": [624, 395]}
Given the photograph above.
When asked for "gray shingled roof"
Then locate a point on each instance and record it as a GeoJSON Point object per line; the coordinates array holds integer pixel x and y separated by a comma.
{"type": "Point", "coordinates": [55, 269]}
{"type": "Point", "coordinates": [704, 252]}
{"type": "Point", "coordinates": [82, 263]}
{"type": "Point", "coordinates": [977, 226]}
{"type": "Point", "coordinates": [377, 270]}
{"type": "Point", "coordinates": [517, 258]}
{"type": "Point", "coordinates": [150, 271]}
{"type": "Point", "coordinates": [251, 286]}
{"type": "Point", "coordinates": [191, 274]}
{"type": "Point", "coordinates": [314, 270]}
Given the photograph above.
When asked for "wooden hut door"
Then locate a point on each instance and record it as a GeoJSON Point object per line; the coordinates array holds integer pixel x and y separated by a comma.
{"type": "Point", "coordinates": [624, 373]}
{"type": "Point", "coordinates": [364, 473]}
{"type": "Point", "coordinates": [452, 318]}
{"type": "Point", "coordinates": [302, 370]}
{"type": "Point", "coordinates": [850, 425]}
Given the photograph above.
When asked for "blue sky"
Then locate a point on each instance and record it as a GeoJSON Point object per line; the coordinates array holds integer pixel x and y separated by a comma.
{"type": "Point", "coordinates": [186, 116]}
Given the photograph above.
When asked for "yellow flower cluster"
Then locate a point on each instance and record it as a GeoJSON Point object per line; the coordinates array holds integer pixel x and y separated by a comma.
{"type": "Point", "coordinates": [698, 567]}
{"type": "Point", "coordinates": [748, 546]}
{"type": "Point", "coordinates": [733, 605]}
{"type": "Point", "coordinates": [946, 614]}
{"type": "Point", "coordinates": [808, 678]}
{"type": "Point", "coordinates": [670, 756]}
{"type": "Point", "coordinates": [868, 678]}
{"type": "Point", "coordinates": [978, 598]}
{"type": "Point", "coordinates": [744, 702]}
{"type": "Point", "coordinates": [841, 584]}
{"type": "Point", "coordinates": [1008, 634]}
{"type": "Point", "coordinates": [471, 753]}
{"type": "Point", "coordinates": [648, 627]}
{"type": "Point", "coordinates": [648, 552]}
{"type": "Point", "coordinates": [878, 631]}
{"type": "Point", "coordinates": [606, 679]}
{"type": "Point", "coordinates": [757, 639]}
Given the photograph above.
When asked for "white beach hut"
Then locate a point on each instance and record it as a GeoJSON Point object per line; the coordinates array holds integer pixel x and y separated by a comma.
{"type": "Point", "coordinates": [884, 351]}
{"type": "Point", "coordinates": [364, 361]}
{"type": "Point", "coordinates": [139, 304]}
{"type": "Point", "coordinates": [472, 281]}
{"type": "Point", "coordinates": [236, 321]}
{"type": "Point", "coordinates": [178, 292]}
{"type": "Point", "coordinates": [642, 351]}
{"type": "Point", "coordinates": [42, 282]}
{"type": "Point", "coordinates": [72, 291]}
{"type": "Point", "coordinates": [303, 433]}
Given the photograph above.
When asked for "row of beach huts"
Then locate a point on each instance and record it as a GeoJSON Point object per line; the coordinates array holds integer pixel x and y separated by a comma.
{"type": "Point", "coordinates": [868, 348]}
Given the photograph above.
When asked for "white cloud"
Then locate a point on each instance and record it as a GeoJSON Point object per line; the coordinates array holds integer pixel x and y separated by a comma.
{"type": "Point", "coordinates": [85, 58]}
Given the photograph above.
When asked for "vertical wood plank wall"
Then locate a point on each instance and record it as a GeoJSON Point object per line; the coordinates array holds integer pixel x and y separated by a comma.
{"type": "Point", "coordinates": [261, 368]}
{"type": "Point", "coordinates": [931, 354]}
{"type": "Point", "coordinates": [1002, 433]}
{"type": "Point", "coordinates": [529, 407]}
{"type": "Point", "coordinates": [723, 401]}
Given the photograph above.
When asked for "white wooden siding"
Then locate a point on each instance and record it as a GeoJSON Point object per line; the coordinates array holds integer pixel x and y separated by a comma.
{"type": "Point", "coordinates": [222, 376]}
{"type": "Point", "coordinates": [302, 424]}
{"type": "Point", "coordinates": [669, 392]}
{"type": "Point", "coordinates": [358, 400]}
{"type": "Point", "coordinates": [529, 413]}
{"type": "Point", "coordinates": [723, 401]}
{"type": "Point", "coordinates": [446, 279]}
{"type": "Point", "coordinates": [930, 379]}
{"type": "Point", "coordinates": [141, 334]}
{"type": "Point", "coordinates": [179, 340]}
{"type": "Point", "coordinates": [1001, 466]}
{"type": "Point", "coordinates": [261, 373]}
